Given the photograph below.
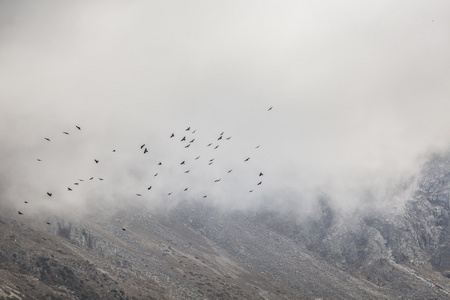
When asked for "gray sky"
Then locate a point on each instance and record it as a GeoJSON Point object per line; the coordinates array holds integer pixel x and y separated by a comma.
{"type": "Point", "coordinates": [359, 89]}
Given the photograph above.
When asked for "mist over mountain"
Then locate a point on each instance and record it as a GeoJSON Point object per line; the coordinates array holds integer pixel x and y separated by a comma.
{"type": "Point", "coordinates": [310, 148]}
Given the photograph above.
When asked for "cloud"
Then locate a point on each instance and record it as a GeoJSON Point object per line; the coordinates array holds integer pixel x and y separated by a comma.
{"type": "Point", "coordinates": [359, 94]}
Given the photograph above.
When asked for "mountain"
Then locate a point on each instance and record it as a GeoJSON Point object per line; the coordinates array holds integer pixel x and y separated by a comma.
{"type": "Point", "coordinates": [199, 251]}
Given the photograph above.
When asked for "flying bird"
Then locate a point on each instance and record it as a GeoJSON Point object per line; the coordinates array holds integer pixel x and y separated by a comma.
{"type": "Point", "coordinates": [47, 139]}
{"type": "Point", "coordinates": [261, 174]}
{"type": "Point", "coordinates": [251, 191]}
{"type": "Point", "coordinates": [230, 171]}
{"type": "Point", "coordinates": [25, 202]}
{"type": "Point", "coordinates": [91, 178]}
{"type": "Point", "coordinates": [189, 128]}
{"type": "Point", "coordinates": [20, 212]}
{"type": "Point", "coordinates": [270, 108]}
{"type": "Point", "coordinates": [220, 137]}
{"type": "Point", "coordinates": [100, 178]}
{"type": "Point", "coordinates": [69, 189]}
{"type": "Point", "coordinates": [49, 194]}
{"type": "Point", "coordinates": [210, 163]}
{"type": "Point", "coordinates": [155, 175]}
{"type": "Point", "coordinates": [192, 141]}
{"type": "Point", "coordinates": [257, 146]}
{"type": "Point", "coordinates": [183, 139]}
{"type": "Point", "coordinates": [169, 194]}
{"type": "Point", "coordinates": [159, 163]}
{"type": "Point", "coordinates": [138, 195]}
{"type": "Point", "coordinates": [216, 147]}
{"type": "Point", "coordinates": [172, 135]}
{"type": "Point", "coordinates": [211, 159]}
{"type": "Point", "coordinates": [247, 159]}
{"type": "Point", "coordinates": [209, 144]}
{"type": "Point", "coordinates": [185, 189]}
{"type": "Point", "coordinates": [80, 179]}
{"type": "Point", "coordinates": [143, 146]}
{"type": "Point", "coordinates": [124, 229]}
{"type": "Point", "coordinates": [205, 196]}
{"type": "Point", "coordinates": [187, 146]}
{"type": "Point", "coordinates": [222, 133]}
{"type": "Point", "coordinates": [217, 180]}
{"type": "Point", "coordinates": [197, 157]}
{"type": "Point", "coordinates": [149, 188]}
{"type": "Point", "coordinates": [76, 183]}
{"type": "Point", "coordinates": [186, 171]}
{"type": "Point", "coordinates": [182, 163]}
{"type": "Point", "coordinates": [259, 183]}
{"type": "Point", "coordinates": [228, 137]}
{"type": "Point", "coordinates": [114, 150]}
{"type": "Point", "coordinates": [145, 150]}
{"type": "Point", "coordinates": [48, 223]}
{"type": "Point", "coordinates": [65, 132]}
{"type": "Point", "coordinates": [96, 161]}
{"type": "Point", "coordinates": [78, 127]}
{"type": "Point", "coordinates": [194, 131]}
{"type": "Point", "coordinates": [39, 159]}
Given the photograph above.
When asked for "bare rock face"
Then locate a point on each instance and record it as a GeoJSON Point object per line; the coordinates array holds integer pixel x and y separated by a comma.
{"type": "Point", "coordinates": [196, 251]}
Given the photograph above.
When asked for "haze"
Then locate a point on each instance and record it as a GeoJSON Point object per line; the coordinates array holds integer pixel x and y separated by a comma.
{"type": "Point", "coordinates": [359, 93]}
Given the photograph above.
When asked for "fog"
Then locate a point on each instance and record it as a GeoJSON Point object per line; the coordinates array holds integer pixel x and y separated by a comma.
{"type": "Point", "coordinates": [359, 94]}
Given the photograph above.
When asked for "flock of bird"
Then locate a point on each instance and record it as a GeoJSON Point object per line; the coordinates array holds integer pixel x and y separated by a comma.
{"type": "Point", "coordinates": [145, 150]}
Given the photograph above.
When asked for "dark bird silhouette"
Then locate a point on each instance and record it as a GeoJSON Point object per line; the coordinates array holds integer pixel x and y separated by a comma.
{"type": "Point", "coordinates": [230, 171]}
{"type": "Point", "coordinates": [186, 171]}
{"type": "Point", "coordinates": [48, 223]}
{"type": "Point", "coordinates": [251, 191]}
{"type": "Point", "coordinates": [159, 163]}
{"type": "Point", "coordinates": [228, 137]}
{"type": "Point", "coordinates": [155, 175]}
{"type": "Point", "coordinates": [270, 108]}
{"type": "Point", "coordinates": [169, 194]}
{"type": "Point", "coordinates": [143, 146]}
{"type": "Point", "coordinates": [220, 137]}
{"type": "Point", "coordinates": [189, 128]}
{"type": "Point", "coordinates": [210, 163]}
{"type": "Point", "coordinates": [217, 180]}
{"type": "Point", "coordinates": [205, 196]}
{"type": "Point", "coordinates": [80, 179]}
{"type": "Point", "coordinates": [25, 202]}
{"type": "Point", "coordinates": [20, 212]}
{"type": "Point", "coordinates": [145, 150]}
{"type": "Point", "coordinates": [69, 189]}
{"type": "Point", "coordinates": [211, 159]}
{"type": "Point", "coordinates": [192, 141]}
{"type": "Point", "coordinates": [149, 188]}
{"type": "Point", "coordinates": [259, 183]}
{"type": "Point", "coordinates": [96, 161]}
{"type": "Point", "coordinates": [194, 131]}
{"type": "Point", "coordinates": [222, 133]}
{"type": "Point", "coordinates": [209, 144]}
{"type": "Point", "coordinates": [114, 150]}
{"type": "Point", "coordinates": [172, 135]}
{"type": "Point", "coordinates": [39, 159]}
{"type": "Point", "coordinates": [47, 139]}
{"type": "Point", "coordinates": [197, 157]}
{"type": "Point", "coordinates": [216, 147]}
{"type": "Point", "coordinates": [182, 163]}
{"type": "Point", "coordinates": [76, 183]}
{"type": "Point", "coordinates": [49, 194]}
{"type": "Point", "coordinates": [247, 159]}
{"type": "Point", "coordinates": [261, 174]}
{"type": "Point", "coordinates": [185, 189]}
{"type": "Point", "coordinates": [187, 146]}
{"type": "Point", "coordinates": [257, 147]}
{"type": "Point", "coordinates": [124, 229]}
{"type": "Point", "coordinates": [65, 132]}
{"type": "Point", "coordinates": [78, 127]}
{"type": "Point", "coordinates": [183, 139]}
{"type": "Point", "coordinates": [91, 178]}
{"type": "Point", "coordinates": [138, 195]}
{"type": "Point", "coordinates": [100, 178]}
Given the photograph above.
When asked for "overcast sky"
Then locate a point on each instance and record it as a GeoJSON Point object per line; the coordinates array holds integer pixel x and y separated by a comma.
{"type": "Point", "coordinates": [359, 89]}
